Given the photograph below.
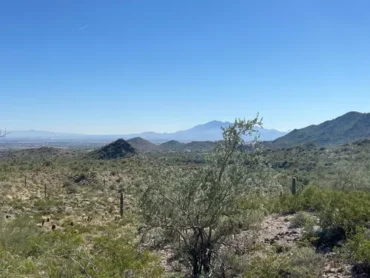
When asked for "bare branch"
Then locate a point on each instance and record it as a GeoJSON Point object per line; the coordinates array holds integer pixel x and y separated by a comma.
{"type": "Point", "coordinates": [4, 133]}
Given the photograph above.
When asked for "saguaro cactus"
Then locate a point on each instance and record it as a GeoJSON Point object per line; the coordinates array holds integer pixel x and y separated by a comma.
{"type": "Point", "coordinates": [45, 191]}
{"type": "Point", "coordinates": [294, 185]}
{"type": "Point", "coordinates": [121, 204]}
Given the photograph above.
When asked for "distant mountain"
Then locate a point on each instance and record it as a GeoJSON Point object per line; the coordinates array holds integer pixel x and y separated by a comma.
{"type": "Point", "coordinates": [193, 146]}
{"type": "Point", "coordinates": [348, 128]}
{"type": "Point", "coordinates": [210, 131]}
{"type": "Point", "coordinates": [143, 145]}
{"type": "Point", "coordinates": [117, 149]}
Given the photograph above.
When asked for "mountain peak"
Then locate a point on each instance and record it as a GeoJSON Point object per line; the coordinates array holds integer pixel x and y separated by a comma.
{"type": "Point", "coordinates": [142, 145]}
{"type": "Point", "coordinates": [353, 113]}
{"type": "Point", "coordinates": [116, 149]}
{"type": "Point", "coordinates": [347, 128]}
{"type": "Point", "coordinates": [213, 124]}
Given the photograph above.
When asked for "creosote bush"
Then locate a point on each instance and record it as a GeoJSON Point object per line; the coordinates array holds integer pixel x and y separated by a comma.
{"type": "Point", "coordinates": [358, 246]}
{"type": "Point", "coordinates": [300, 220]}
{"type": "Point", "coordinates": [335, 208]}
{"type": "Point", "coordinates": [297, 263]}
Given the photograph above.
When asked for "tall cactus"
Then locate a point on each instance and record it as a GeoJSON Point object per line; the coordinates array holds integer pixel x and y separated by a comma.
{"type": "Point", "coordinates": [121, 205]}
{"type": "Point", "coordinates": [294, 185]}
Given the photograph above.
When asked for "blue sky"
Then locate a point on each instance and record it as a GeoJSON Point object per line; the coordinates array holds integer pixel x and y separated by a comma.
{"type": "Point", "coordinates": [138, 65]}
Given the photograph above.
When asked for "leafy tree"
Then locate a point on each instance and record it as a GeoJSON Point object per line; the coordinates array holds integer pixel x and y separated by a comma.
{"type": "Point", "coordinates": [196, 211]}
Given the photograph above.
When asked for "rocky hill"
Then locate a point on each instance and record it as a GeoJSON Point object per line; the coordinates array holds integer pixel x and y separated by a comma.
{"type": "Point", "coordinates": [193, 146]}
{"type": "Point", "coordinates": [199, 146]}
{"type": "Point", "coordinates": [117, 149]}
{"type": "Point", "coordinates": [172, 146]}
{"type": "Point", "coordinates": [348, 128]}
{"type": "Point", "coordinates": [143, 145]}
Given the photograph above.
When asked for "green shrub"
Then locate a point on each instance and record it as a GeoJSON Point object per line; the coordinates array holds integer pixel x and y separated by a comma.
{"type": "Point", "coordinates": [15, 236]}
{"type": "Point", "coordinates": [297, 263]}
{"type": "Point", "coordinates": [44, 206]}
{"type": "Point", "coordinates": [26, 251]}
{"type": "Point", "coordinates": [334, 208]}
{"type": "Point", "coordinates": [359, 246]}
{"type": "Point", "coordinates": [300, 220]}
{"type": "Point", "coordinates": [70, 188]}
{"type": "Point", "coordinates": [114, 257]}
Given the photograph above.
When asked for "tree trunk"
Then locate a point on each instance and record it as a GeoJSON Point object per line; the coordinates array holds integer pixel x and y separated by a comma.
{"type": "Point", "coordinates": [197, 268]}
{"type": "Point", "coordinates": [201, 255]}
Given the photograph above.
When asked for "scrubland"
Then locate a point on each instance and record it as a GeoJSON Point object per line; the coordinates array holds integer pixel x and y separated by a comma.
{"type": "Point", "coordinates": [234, 212]}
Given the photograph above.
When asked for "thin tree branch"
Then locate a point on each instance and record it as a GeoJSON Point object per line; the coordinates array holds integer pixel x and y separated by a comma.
{"type": "Point", "coordinates": [3, 134]}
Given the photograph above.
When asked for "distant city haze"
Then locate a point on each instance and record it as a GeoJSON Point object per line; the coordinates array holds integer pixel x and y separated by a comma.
{"type": "Point", "coordinates": [124, 67]}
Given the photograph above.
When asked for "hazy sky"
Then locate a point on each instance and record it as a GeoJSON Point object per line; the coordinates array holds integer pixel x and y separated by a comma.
{"type": "Point", "coordinates": [138, 65]}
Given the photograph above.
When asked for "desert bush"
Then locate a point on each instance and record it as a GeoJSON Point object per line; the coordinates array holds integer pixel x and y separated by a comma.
{"type": "Point", "coordinates": [345, 210]}
{"type": "Point", "coordinates": [70, 188]}
{"type": "Point", "coordinates": [15, 235]}
{"type": "Point", "coordinates": [340, 212]}
{"type": "Point", "coordinates": [26, 250]}
{"type": "Point", "coordinates": [115, 258]}
{"type": "Point", "coordinates": [299, 220]}
{"type": "Point", "coordinates": [47, 163]}
{"type": "Point", "coordinates": [44, 206]}
{"type": "Point", "coordinates": [80, 178]}
{"type": "Point", "coordinates": [358, 246]}
{"type": "Point", "coordinates": [304, 220]}
{"type": "Point", "coordinates": [297, 263]}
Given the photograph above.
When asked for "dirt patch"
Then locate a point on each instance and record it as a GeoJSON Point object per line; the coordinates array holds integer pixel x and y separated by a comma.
{"type": "Point", "coordinates": [334, 268]}
{"type": "Point", "coordinates": [276, 230]}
